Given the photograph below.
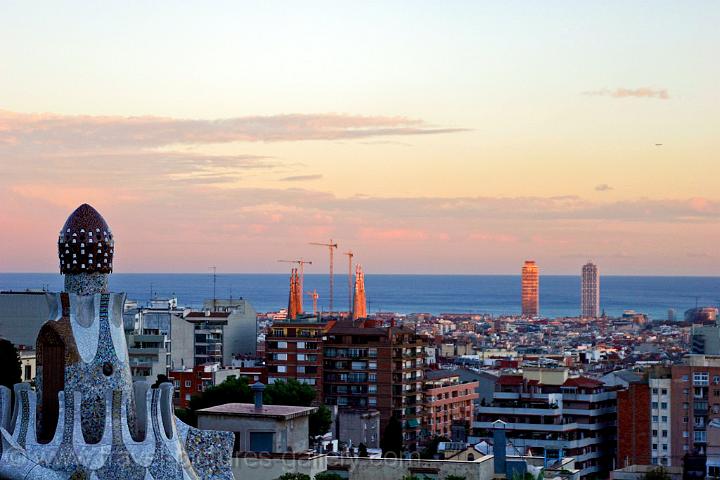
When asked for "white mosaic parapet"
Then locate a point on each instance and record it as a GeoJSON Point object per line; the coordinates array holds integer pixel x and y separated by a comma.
{"type": "Point", "coordinates": [170, 450]}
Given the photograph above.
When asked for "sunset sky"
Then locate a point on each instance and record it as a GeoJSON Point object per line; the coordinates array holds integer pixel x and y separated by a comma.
{"type": "Point", "coordinates": [428, 137]}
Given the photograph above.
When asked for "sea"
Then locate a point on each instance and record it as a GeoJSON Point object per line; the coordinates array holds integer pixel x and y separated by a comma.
{"type": "Point", "coordinates": [435, 294]}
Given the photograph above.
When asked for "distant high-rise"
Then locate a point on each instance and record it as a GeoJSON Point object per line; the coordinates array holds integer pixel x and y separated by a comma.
{"type": "Point", "coordinates": [530, 289]}
{"type": "Point", "coordinates": [590, 291]}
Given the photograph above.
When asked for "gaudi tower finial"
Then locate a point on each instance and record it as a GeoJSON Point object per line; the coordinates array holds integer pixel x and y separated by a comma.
{"type": "Point", "coordinates": [85, 248]}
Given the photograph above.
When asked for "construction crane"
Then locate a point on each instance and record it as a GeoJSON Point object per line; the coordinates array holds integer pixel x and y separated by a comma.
{"type": "Point", "coordinates": [331, 246]}
{"type": "Point", "coordinates": [350, 256]}
{"type": "Point", "coordinates": [314, 295]}
{"type": "Point", "coordinates": [300, 263]}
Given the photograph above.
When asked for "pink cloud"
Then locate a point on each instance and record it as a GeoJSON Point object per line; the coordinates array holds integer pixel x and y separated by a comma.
{"type": "Point", "coordinates": [393, 234]}
{"type": "Point", "coordinates": [642, 92]}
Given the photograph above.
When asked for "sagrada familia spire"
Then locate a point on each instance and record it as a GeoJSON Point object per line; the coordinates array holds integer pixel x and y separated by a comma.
{"type": "Point", "coordinates": [295, 300]}
{"type": "Point", "coordinates": [359, 300]}
{"type": "Point", "coordinates": [86, 419]}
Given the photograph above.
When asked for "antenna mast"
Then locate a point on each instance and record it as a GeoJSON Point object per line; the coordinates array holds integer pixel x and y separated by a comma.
{"type": "Point", "coordinates": [214, 269]}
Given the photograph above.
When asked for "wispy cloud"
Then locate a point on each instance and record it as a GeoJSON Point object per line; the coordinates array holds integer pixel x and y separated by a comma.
{"type": "Point", "coordinates": [301, 178]}
{"type": "Point", "coordinates": [641, 92]}
{"type": "Point", "coordinates": [93, 132]}
{"type": "Point", "coordinates": [603, 187]}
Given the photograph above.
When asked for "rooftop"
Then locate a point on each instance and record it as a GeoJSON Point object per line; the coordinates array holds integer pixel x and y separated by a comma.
{"type": "Point", "coordinates": [281, 412]}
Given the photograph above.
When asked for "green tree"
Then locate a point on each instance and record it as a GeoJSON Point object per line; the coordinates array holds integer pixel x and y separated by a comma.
{"type": "Point", "coordinates": [328, 476]}
{"type": "Point", "coordinates": [10, 371]}
{"type": "Point", "coordinates": [291, 392]}
{"type": "Point", "coordinates": [320, 421]}
{"type": "Point", "coordinates": [232, 390]}
{"type": "Point", "coordinates": [293, 476]}
{"type": "Point", "coordinates": [657, 474]}
{"type": "Point", "coordinates": [392, 440]}
{"type": "Point", "coordinates": [160, 380]}
{"type": "Point", "coordinates": [431, 449]}
{"type": "Point", "coordinates": [455, 477]}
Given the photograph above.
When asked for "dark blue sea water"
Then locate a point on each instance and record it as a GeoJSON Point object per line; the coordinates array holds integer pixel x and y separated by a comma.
{"type": "Point", "coordinates": [494, 294]}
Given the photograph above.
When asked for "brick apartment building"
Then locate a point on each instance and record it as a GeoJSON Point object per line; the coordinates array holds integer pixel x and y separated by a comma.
{"type": "Point", "coordinates": [294, 349]}
{"type": "Point", "coordinates": [447, 400]}
{"type": "Point", "coordinates": [633, 429]}
{"type": "Point", "coordinates": [376, 368]}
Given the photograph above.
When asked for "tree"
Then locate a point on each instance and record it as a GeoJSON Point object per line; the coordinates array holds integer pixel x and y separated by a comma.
{"type": "Point", "coordinates": [291, 392]}
{"type": "Point", "coordinates": [455, 477]}
{"type": "Point", "coordinates": [362, 450]}
{"type": "Point", "coordinates": [657, 474]}
{"type": "Point", "coordinates": [160, 380]}
{"type": "Point", "coordinates": [232, 390]}
{"type": "Point", "coordinates": [392, 438]}
{"type": "Point", "coordinates": [10, 370]}
{"type": "Point", "coordinates": [293, 476]}
{"type": "Point", "coordinates": [320, 421]}
{"type": "Point", "coordinates": [328, 476]}
{"type": "Point", "coordinates": [431, 449]}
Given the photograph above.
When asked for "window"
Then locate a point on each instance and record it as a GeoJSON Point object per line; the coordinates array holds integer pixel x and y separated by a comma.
{"type": "Point", "coordinates": [282, 369]}
{"type": "Point", "coordinates": [300, 357]}
{"type": "Point", "coordinates": [187, 397]}
{"type": "Point", "coordinates": [654, 433]}
{"type": "Point", "coordinates": [685, 379]}
{"type": "Point", "coordinates": [686, 391]}
{"type": "Point", "coordinates": [685, 434]}
{"type": "Point", "coordinates": [301, 345]}
{"type": "Point", "coordinates": [700, 378]}
{"type": "Point", "coordinates": [655, 391]}
{"type": "Point", "coordinates": [176, 383]}
{"type": "Point", "coordinates": [301, 369]}
{"type": "Point", "coordinates": [372, 401]}
{"type": "Point", "coordinates": [686, 405]}
{"type": "Point", "coordinates": [664, 418]}
{"type": "Point", "coordinates": [28, 372]}
{"type": "Point", "coordinates": [188, 383]}
{"type": "Point", "coordinates": [664, 433]}
{"type": "Point", "coordinates": [372, 388]}
{"type": "Point", "coordinates": [664, 447]}
{"type": "Point", "coordinates": [372, 365]}
{"type": "Point", "coordinates": [685, 419]}
{"type": "Point", "coordinates": [282, 345]}
{"type": "Point", "coordinates": [663, 391]}
{"type": "Point", "coordinates": [654, 405]}
{"type": "Point", "coordinates": [700, 435]}
{"type": "Point", "coordinates": [654, 446]}
{"type": "Point", "coordinates": [713, 471]}
{"type": "Point", "coordinates": [663, 405]}
{"type": "Point", "coordinates": [654, 418]}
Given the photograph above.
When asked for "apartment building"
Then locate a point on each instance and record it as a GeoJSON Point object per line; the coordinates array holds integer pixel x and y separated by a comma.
{"type": "Point", "coordinates": [294, 349]}
{"type": "Point", "coordinates": [449, 400]}
{"type": "Point", "coordinates": [378, 368]}
{"type": "Point", "coordinates": [695, 400]}
{"type": "Point", "coordinates": [191, 381]}
{"type": "Point", "coordinates": [550, 414]}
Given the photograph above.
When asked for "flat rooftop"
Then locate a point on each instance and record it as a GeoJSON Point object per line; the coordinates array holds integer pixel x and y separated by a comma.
{"type": "Point", "coordinates": [280, 412]}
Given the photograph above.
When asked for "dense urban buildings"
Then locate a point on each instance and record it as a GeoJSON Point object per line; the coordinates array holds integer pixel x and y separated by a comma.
{"type": "Point", "coordinates": [590, 291]}
{"type": "Point", "coordinates": [552, 414]}
{"type": "Point", "coordinates": [372, 367]}
{"type": "Point", "coordinates": [530, 289]}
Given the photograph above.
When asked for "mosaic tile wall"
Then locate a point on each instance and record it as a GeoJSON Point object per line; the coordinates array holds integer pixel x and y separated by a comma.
{"type": "Point", "coordinates": [97, 433]}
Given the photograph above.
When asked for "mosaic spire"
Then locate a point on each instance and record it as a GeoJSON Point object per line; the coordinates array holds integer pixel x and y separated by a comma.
{"type": "Point", "coordinates": [85, 249]}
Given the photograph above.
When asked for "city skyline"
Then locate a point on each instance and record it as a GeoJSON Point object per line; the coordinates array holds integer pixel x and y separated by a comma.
{"type": "Point", "coordinates": [455, 138]}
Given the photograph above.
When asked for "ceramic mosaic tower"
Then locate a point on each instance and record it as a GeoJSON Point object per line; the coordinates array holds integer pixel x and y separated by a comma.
{"type": "Point", "coordinates": [86, 419]}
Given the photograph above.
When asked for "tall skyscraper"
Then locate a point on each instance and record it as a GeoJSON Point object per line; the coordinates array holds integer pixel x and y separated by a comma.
{"type": "Point", "coordinates": [590, 291]}
{"type": "Point", "coordinates": [530, 289]}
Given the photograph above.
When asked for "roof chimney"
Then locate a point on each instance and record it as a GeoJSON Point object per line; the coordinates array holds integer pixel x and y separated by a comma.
{"type": "Point", "coordinates": [258, 388]}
